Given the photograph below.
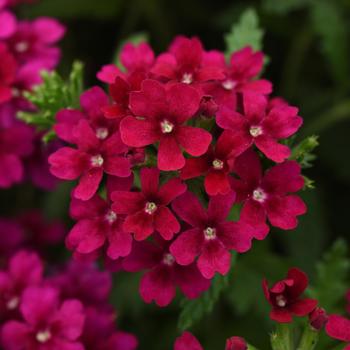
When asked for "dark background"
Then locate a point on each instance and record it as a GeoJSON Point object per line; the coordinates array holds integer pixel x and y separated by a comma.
{"type": "Point", "coordinates": [308, 46]}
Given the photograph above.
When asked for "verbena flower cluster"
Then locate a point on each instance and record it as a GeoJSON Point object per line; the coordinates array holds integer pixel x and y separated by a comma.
{"type": "Point", "coordinates": [66, 310]}
{"type": "Point", "coordinates": [26, 48]}
{"type": "Point", "coordinates": [181, 141]}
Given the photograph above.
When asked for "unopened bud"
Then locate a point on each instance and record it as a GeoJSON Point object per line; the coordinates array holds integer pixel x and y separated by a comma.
{"type": "Point", "coordinates": [236, 343]}
{"type": "Point", "coordinates": [318, 318]}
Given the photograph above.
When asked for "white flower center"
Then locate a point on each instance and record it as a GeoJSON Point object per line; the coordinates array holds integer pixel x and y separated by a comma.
{"type": "Point", "coordinates": [16, 92]}
{"type": "Point", "coordinates": [255, 131]}
{"type": "Point", "coordinates": [150, 208]}
{"type": "Point", "coordinates": [96, 161]}
{"type": "Point", "coordinates": [22, 46]}
{"type": "Point", "coordinates": [102, 133]}
{"type": "Point", "coordinates": [229, 84]}
{"type": "Point", "coordinates": [218, 164]}
{"type": "Point", "coordinates": [209, 233]}
{"type": "Point", "coordinates": [187, 78]}
{"type": "Point", "coordinates": [43, 336]}
{"type": "Point", "coordinates": [111, 216]}
{"type": "Point", "coordinates": [168, 259]}
{"type": "Point", "coordinates": [166, 126]}
{"type": "Point", "coordinates": [281, 301]}
{"type": "Point", "coordinates": [259, 195]}
{"type": "Point", "coordinates": [12, 303]}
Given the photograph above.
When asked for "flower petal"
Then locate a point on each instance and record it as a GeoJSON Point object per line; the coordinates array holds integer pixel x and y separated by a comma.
{"type": "Point", "coordinates": [272, 149]}
{"type": "Point", "coordinates": [88, 184]}
{"type": "Point", "coordinates": [166, 223]}
{"type": "Point", "coordinates": [195, 141]}
{"type": "Point", "coordinates": [170, 156]}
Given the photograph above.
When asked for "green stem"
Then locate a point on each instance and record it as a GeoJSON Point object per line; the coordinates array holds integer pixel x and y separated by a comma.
{"type": "Point", "coordinates": [283, 338]}
{"type": "Point", "coordinates": [309, 339]}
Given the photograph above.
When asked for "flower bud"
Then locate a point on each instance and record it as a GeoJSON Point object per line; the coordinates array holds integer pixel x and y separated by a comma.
{"type": "Point", "coordinates": [318, 318]}
{"type": "Point", "coordinates": [236, 343]}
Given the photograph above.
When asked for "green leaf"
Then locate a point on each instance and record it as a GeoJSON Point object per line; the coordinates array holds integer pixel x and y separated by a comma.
{"type": "Point", "coordinates": [285, 6]}
{"type": "Point", "coordinates": [245, 33]}
{"type": "Point", "coordinates": [302, 152]}
{"type": "Point", "coordinates": [330, 24]}
{"type": "Point", "coordinates": [52, 95]}
{"type": "Point", "coordinates": [332, 276]}
{"type": "Point", "coordinates": [194, 310]}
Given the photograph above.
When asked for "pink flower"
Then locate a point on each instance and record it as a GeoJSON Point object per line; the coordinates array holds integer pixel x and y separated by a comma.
{"type": "Point", "coordinates": [164, 274]}
{"type": "Point", "coordinates": [100, 333]}
{"type": "Point", "coordinates": [147, 211]}
{"type": "Point", "coordinates": [211, 236]}
{"type": "Point", "coordinates": [34, 41]}
{"type": "Point", "coordinates": [240, 75]}
{"type": "Point", "coordinates": [46, 323]}
{"type": "Point", "coordinates": [268, 195]}
{"type": "Point", "coordinates": [135, 58]}
{"type": "Point", "coordinates": [98, 224]}
{"type": "Point", "coordinates": [184, 63]}
{"type": "Point", "coordinates": [236, 343]}
{"type": "Point", "coordinates": [8, 23]}
{"type": "Point", "coordinates": [187, 341]}
{"type": "Point", "coordinates": [24, 269]}
{"type": "Point", "coordinates": [8, 68]}
{"type": "Point", "coordinates": [161, 114]}
{"type": "Point", "coordinates": [285, 297]}
{"type": "Point", "coordinates": [216, 164]}
{"type": "Point", "coordinates": [338, 327]}
{"type": "Point", "coordinates": [16, 142]}
{"type": "Point", "coordinates": [260, 126]}
{"type": "Point", "coordinates": [83, 281]}
{"type": "Point", "coordinates": [95, 155]}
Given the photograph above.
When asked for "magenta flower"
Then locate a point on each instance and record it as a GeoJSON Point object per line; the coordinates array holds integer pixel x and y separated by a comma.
{"type": "Point", "coordinates": [8, 23]}
{"type": "Point", "coordinates": [83, 281]}
{"type": "Point", "coordinates": [97, 153]}
{"type": "Point", "coordinates": [34, 41]}
{"type": "Point", "coordinates": [8, 69]}
{"type": "Point", "coordinates": [100, 333]}
{"type": "Point", "coordinates": [24, 269]}
{"type": "Point", "coordinates": [216, 164]}
{"type": "Point", "coordinates": [187, 341]}
{"type": "Point", "coordinates": [338, 327]}
{"type": "Point", "coordinates": [147, 211]}
{"type": "Point", "coordinates": [16, 142]}
{"type": "Point", "coordinates": [46, 324]}
{"type": "Point", "coordinates": [184, 63]}
{"type": "Point", "coordinates": [285, 297]}
{"type": "Point", "coordinates": [160, 116]}
{"type": "Point", "coordinates": [98, 224]}
{"type": "Point", "coordinates": [268, 195]}
{"type": "Point", "coordinates": [262, 127]}
{"type": "Point", "coordinates": [211, 236]}
{"type": "Point", "coordinates": [240, 75]}
{"type": "Point", "coordinates": [164, 274]}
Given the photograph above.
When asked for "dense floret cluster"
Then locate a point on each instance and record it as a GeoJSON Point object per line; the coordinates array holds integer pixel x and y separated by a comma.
{"type": "Point", "coordinates": [26, 48]}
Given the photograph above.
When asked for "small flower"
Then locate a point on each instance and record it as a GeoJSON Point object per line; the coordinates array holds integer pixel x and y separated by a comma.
{"type": "Point", "coordinates": [147, 211]}
{"type": "Point", "coordinates": [338, 327]}
{"type": "Point", "coordinates": [260, 126]}
{"type": "Point", "coordinates": [98, 225]}
{"type": "Point", "coordinates": [285, 297]}
{"type": "Point", "coordinates": [187, 341]}
{"type": "Point", "coordinates": [46, 322]}
{"type": "Point", "coordinates": [216, 164]}
{"type": "Point", "coordinates": [210, 237]}
{"type": "Point", "coordinates": [268, 195]}
{"type": "Point", "coordinates": [184, 63]}
{"type": "Point", "coordinates": [164, 273]}
{"type": "Point", "coordinates": [160, 116]}
{"type": "Point", "coordinates": [90, 160]}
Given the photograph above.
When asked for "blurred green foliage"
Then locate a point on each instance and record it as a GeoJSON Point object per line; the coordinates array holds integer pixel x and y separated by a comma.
{"type": "Point", "coordinates": [307, 42]}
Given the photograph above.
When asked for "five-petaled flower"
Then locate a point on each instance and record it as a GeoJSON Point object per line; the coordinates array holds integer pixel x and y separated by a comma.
{"type": "Point", "coordinates": [161, 114]}
{"type": "Point", "coordinates": [285, 297]}
{"type": "Point", "coordinates": [147, 211]}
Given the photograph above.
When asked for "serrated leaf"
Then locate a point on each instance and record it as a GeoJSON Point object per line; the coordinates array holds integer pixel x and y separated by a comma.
{"type": "Point", "coordinates": [245, 33]}
{"type": "Point", "coordinates": [329, 23]}
{"type": "Point", "coordinates": [332, 276]}
{"type": "Point", "coordinates": [302, 152]}
{"type": "Point", "coordinates": [52, 95]}
{"type": "Point", "coordinates": [194, 310]}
